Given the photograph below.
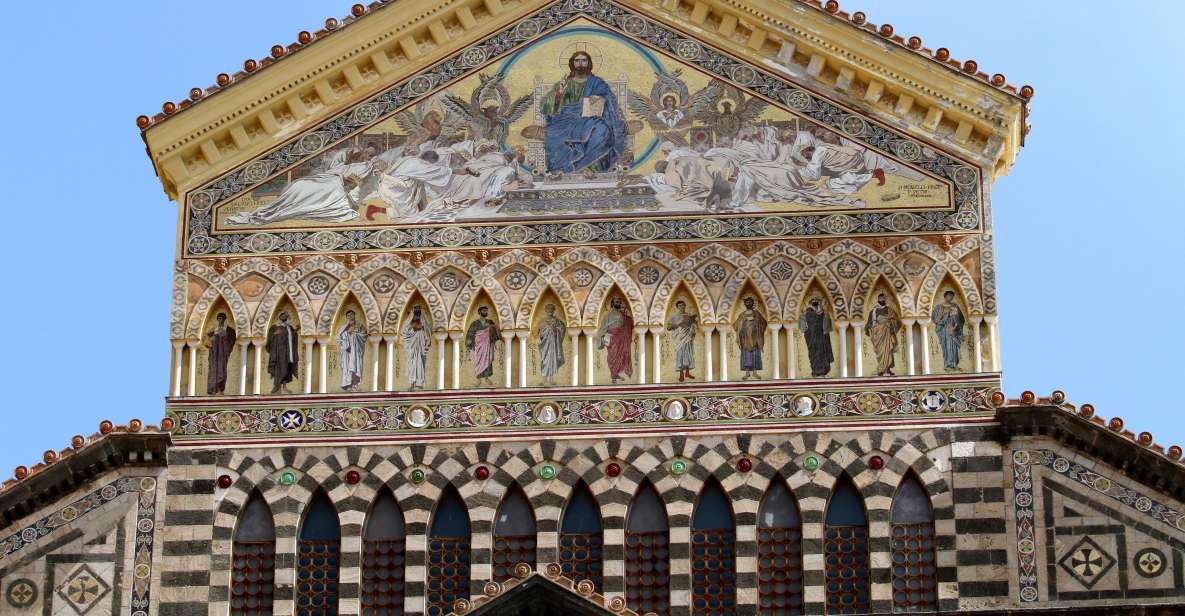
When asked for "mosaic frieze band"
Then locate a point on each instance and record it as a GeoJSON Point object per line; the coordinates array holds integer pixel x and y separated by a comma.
{"type": "Point", "coordinates": [558, 413]}
{"type": "Point", "coordinates": [201, 239]}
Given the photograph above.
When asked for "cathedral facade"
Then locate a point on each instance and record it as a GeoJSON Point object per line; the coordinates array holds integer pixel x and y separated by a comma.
{"type": "Point", "coordinates": [597, 306]}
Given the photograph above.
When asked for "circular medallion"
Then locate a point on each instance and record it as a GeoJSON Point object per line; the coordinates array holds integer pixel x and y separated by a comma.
{"type": "Point", "coordinates": [515, 234]}
{"type": "Point", "coordinates": [547, 413]}
{"type": "Point", "coordinates": [387, 238]}
{"type": "Point", "coordinates": [868, 402]}
{"type": "Point", "coordinates": [781, 270]}
{"type": "Point", "coordinates": [355, 419]}
{"type": "Point", "coordinates": [966, 219]}
{"type": "Point", "coordinates": [69, 513]}
{"type": "Point", "coordinates": [318, 285]}
{"type": "Point", "coordinates": [21, 593]}
{"type": "Point", "coordinates": [678, 467]}
{"type": "Point", "coordinates": [451, 236]}
{"type": "Point", "coordinates": [1061, 465]}
{"type": "Point", "coordinates": [811, 463]}
{"type": "Point", "coordinates": [674, 409]}
{"type": "Point", "coordinates": [144, 525]}
{"type": "Point", "coordinates": [526, 29]}
{"type": "Point", "coordinates": [611, 411]}
{"type": "Point", "coordinates": [201, 201]}
{"type": "Point", "coordinates": [29, 535]}
{"type": "Point", "coordinates": [367, 113]}
{"type": "Point", "coordinates": [908, 150]}
{"type": "Point", "coordinates": [796, 99]}
{"type": "Point", "coordinates": [291, 420]}
{"type": "Point", "coordinates": [147, 484]}
{"type": "Point", "coordinates": [1143, 504]}
{"type": "Point", "coordinates": [1102, 484]}
{"type": "Point", "coordinates": [473, 56]}
{"type": "Point", "coordinates": [325, 240]}
{"type": "Point", "coordinates": [932, 400]}
{"type": "Point", "coordinates": [200, 244]}
{"type": "Point", "coordinates": [448, 282]}
{"type": "Point", "coordinates": [964, 176]}
{"type": "Point", "coordinates": [773, 226]}
{"type": "Point", "coordinates": [228, 422]}
{"type": "Point", "coordinates": [1023, 499]}
{"type": "Point", "coordinates": [715, 273]}
{"type": "Point", "coordinates": [108, 492]}
{"type": "Point", "coordinates": [579, 232]}
{"type": "Point", "coordinates": [287, 478]}
{"type": "Point", "coordinates": [743, 74]}
{"type": "Point", "coordinates": [255, 172]}
{"type": "Point", "coordinates": [805, 405]}
{"type": "Point", "coordinates": [483, 414]}
{"type": "Point", "coordinates": [634, 25]}
{"type": "Point", "coordinates": [417, 476]}
{"type": "Point", "coordinates": [310, 142]}
{"type": "Point", "coordinates": [901, 222]}
{"type": "Point", "coordinates": [384, 283]}
{"type": "Point", "coordinates": [582, 277]}
{"type": "Point", "coordinates": [142, 571]}
{"type": "Point", "coordinates": [419, 85]}
{"type": "Point", "coordinates": [547, 471]}
{"type": "Point", "coordinates": [853, 125]}
{"type": "Point", "coordinates": [709, 228]}
{"type": "Point", "coordinates": [516, 280]}
{"type": "Point", "coordinates": [1150, 562]}
{"type": "Point", "coordinates": [648, 275]}
{"type": "Point", "coordinates": [418, 416]}
{"type": "Point", "coordinates": [1028, 593]}
{"type": "Point", "coordinates": [838, 224]}
{"type": "Point", "coordinates": [261, 242]}
{"type": "Point", "coordinates": [1021, 457]}
{"type": "Point", "coordinates": [1026, 546]}
{"type": "Point", "coordinates": [688, 50]}
{"type": "Point", "coordinates": [847, 268]}
{"type": "Point", "coordinates": [644, 230]}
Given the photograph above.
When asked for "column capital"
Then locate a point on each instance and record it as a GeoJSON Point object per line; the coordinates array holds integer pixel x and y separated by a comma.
{"type": "Point", "coordinates": [924, 321]}
{"type": "Point", "coordinates": [521, 334]}
{"type": "Point", "coordinates": [909, 322]}
{"type": "Point", "coordinates": [588, 331]}
{"type": "Point", "coordinates": [857, 324]}
{"type": "Point", "coordinates": [776, 325]}
{"type": "Point", "coordinates": [977, 319]}
{"type": "Point", "coordinates": [178, 344]}
{"type": "Point", "coordinates": [707, 328]}
{"type": "Point", "coordinates": [656, 330]}
{"type": "Point", "coordinates": [574, 332]}
{"type": "Point", "coordinates": [990, 318]}
{"type": "Point", "coordinates": [454, 335]}
{"type": "Point", "coordinates": [843, 323]}
{"type": "Point", "coordinates": [507, 334]}
{"type": "Point", "coordinates": [440, 335]}
{"type": "Point", "coordinates": [390, 339]}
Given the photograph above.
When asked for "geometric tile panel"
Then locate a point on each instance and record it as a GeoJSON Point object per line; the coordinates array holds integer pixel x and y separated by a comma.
{"type": "Point", "coordinates": [83, 589]}
{"type": "Point", "coordinates": [1087, 562]}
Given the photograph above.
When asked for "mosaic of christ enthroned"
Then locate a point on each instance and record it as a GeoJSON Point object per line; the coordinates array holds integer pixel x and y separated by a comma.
{"type": "Point", "coordinates": [583, 122]}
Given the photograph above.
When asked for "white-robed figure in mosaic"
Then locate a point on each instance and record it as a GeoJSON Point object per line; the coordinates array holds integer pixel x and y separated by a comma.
{"type": "Point", "coordinates": [550, 335]}
{"type": "Point", "coordinates": [322, 197]}
{"type": "Point", "coordinates": [411, 183]}
{"type": "Point", "coordinates": [417, 341]}
{"type": "Point", "coordinates": [682, 327]}
{"type": "Point", "coordinates": [351, 341]}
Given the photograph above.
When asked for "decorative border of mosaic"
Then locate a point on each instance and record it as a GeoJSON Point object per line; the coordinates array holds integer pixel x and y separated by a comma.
{"type": "Point", "coordinates": [200, 240]}
{"type": "Point", "coordinates": [1022, 485]}
{"type": "Point", "coordinates": [650, 410]}
{"type": "Point", "coordinates": [145, 488]}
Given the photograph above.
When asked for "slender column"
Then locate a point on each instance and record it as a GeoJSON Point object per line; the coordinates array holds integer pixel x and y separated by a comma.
{"type": "Point", "coordinates": [455, 340]}
{"type": "Point", "coordinates": [925, 325]}
{"type": "Point", "coordinates": [373, 343]}
{"type": "Point", "coordinates": [776, 339]}
{"type": "Point", "coordinates": [909, 345]}
{"type": "Point", "coordinates": [843, 347]}
{"type": "Point", "coordinates": [243, 367]}
{"type": "Point", "coordinates": [522, 357]}
{"type": "Point", "coordinates": [589, 344]}
{"type": "Point", "coordinates": [308, 365]}
{"type": "Point", "coordinates": [258, 382]}
{"type": "Point", "coordinates": [390, 348]}
{"type": "Point", "coordinates": [858, 327]}
{"type": "Point", "coordinates": [640, 337]}
{"type": "Point", "coordinates": [178, 361]}
{"type": "Point", "coordinates": [193, 347]}
{"type": "Point", "coordinates": [975, 321]}
{"type": "Point", "coordinates": [323, 372]}
{"type": "Point", "coordinates": [993, 340]}
{"type": "Point", "coordinates": [724, 329]}
{"type": "Point", "coordinates": [791, 350]}
{"type": "Point", "coordinates": [708, 354]}
{"type": "Point", "coordinates": [656, 332]}
{"type": "Point", "coordinates": [574, 346]}
{"type": "Point", "coordinates": [440, 358]}
{"type": "Point", "coordinates": [508, 352]}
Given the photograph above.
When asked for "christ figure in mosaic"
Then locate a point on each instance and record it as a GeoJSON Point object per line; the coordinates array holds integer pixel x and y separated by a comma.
{"type": "Point", "coordinates": [616, 336]}
{"type": "Point", "coordinates": [220, 341]}
{"type": "Point", "coordinates": [351, 341]}
{"type": "Point", "coordinates": [750, 327]}
{"type": "Point", "coordinates": [417, 341]}
{"type": "Point", "coordinates": [481, 339]}
{"type": "Point", "coordinates": [682, 327]}
{"type": "Point", "coordinates": [282, 353]}
{"type": "Point", "coordinates": [882, 328]}
{"type": "Point", "coordinates": [816, 329]}
{"type": "Point", "coordinates": [948, 323]}
{"type": "Point", "coordinates": [585, 129]}
{"type": "Point", "coordinates": [550, 335]}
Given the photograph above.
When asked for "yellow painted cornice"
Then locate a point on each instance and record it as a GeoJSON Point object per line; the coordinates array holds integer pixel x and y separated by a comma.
{"type": "Point", "coordinates": [806, 44]}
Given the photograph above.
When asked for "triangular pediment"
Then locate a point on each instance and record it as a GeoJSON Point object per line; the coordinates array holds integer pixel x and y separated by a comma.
{"type": "Point", "coordinates": [671, 124]}
{"type": "Point", "coordinates": [827, 52]}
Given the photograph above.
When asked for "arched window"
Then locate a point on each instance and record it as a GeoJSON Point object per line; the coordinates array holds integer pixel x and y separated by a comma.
{"type": "Point", "coordinates": [318, 555]}
{"type": "Point", "coordinates": [713, 553]}
{"type": "Point", "coordinates": [514, 534]}
{"type": "Point", "coordinates": [383, 550]}
{"type": "Point", "coordinates": [779, 551]}
{"type": "Point", "coordinates": [915, 579]}
{"type": "Point", "coordinates": [581, 538]}
{"type": "Point", "coordinates": [448, 553]}
{"type": "Point", "coordinates": [647, 557]}
{"type": "Point", "coordinates": [845, 551]}
{"type": "Point", "coordinates": [253, 566]}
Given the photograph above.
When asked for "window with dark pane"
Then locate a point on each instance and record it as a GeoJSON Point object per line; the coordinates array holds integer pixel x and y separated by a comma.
{"type": "Point", "coordinates": [582, 538]}
{"type": "Point", "coordinates": [514, 534]}
{"type": "Point", "coordinates": [448, 554]}
{"type": "Point", "coordinates": [713, 553]}
{"type": "Point", "coordinates": [779, 552]}
{"type": "Point", "coordinates": [647, 554]}
{"type": "Point", "coordinates": [318, 556]}
{"type": "Point", "coordinates": [845, 551]}
{"type": "Point", "coordinates": [253, 563]}
{"type": "Point", "coordinates": [383, 550]}
{"type": "Point", "coordinates": [915, 579]}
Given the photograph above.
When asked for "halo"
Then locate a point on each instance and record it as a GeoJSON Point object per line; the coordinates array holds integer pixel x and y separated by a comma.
{"type": "Point", "coordinates": [561, 60]}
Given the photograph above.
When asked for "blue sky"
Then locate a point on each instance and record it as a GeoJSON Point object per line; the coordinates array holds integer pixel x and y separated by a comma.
{"type": "Point", "coordinates": [1085, 222]}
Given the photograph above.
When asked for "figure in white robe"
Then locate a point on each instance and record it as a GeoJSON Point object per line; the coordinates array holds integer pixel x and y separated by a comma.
{"type": "Point", "coordinates": [351, 341]}
{"type": "Point", "coordinates": [682, 327]}
{"type": "Point", "coordinates": [550, 335]}
{"type": "Point", "coordinates": [321, 197]}
{"type": "Point", "coordinates": [481, 180]}
{"type": "Point", "coordinates": [417, 341]}
{"type": "Point", "coordinates": [410, 184]}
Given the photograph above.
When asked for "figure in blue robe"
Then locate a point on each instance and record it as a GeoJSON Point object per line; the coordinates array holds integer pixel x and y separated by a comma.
{"type": "Point", "coordinates": [584, 129]}
{"type": "Point", "coordinates": [948, 323]}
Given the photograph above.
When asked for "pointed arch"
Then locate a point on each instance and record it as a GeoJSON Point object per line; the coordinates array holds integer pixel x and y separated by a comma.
{"type": "Point", "coordinates": [546, 277]}
{"type": "Point", "coordinates": [798, 277]}
{"type": "Point", "coordinates": [880, 269]}
{"type": "Point", "coordinates": [290, 291]}
{"type": "Point", "coordinates": [405, 295]}
{"type": "Point", "coordinates": [318, 557]}
{"type": "Point", "coordinates": [582, 537]}
{"type": "Point", "coordinates": [253, 560]}
{"type": "Point", "coordinates": [948, 269]}
{"type": "Point", "coordinates": [819, 280]}
{"type": "Point", "coordinates": [647, 553]}
{"type": "Point", "coordinates": [449, 543]}
{"type": "Point", "coordinates": [384, 550]}
{"type": "Point", "coordinates": [713, 552]}
{"type": "Point", "coordinates": [779, 549]}
{"type": "Point", "coordinates": [609, 286]}
{"type": "Point", "coordinates": [845, 550]}
{"type": "Point", "coordinates": [914, 568]}
{"type": "Point", "coordinates": [514, 534]}
{"type": "Point", "coordinates": [339, 298]}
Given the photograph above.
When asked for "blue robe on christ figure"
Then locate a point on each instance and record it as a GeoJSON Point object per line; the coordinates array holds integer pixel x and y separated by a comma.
{"type": "Point", "coordinates": [573, 142]}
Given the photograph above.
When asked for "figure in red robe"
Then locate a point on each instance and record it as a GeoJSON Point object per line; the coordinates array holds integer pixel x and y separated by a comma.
{"type": "Point", "coordinates": [616, 335]}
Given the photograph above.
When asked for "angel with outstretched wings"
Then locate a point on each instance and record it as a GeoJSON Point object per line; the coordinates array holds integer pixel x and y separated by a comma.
{"type": "Point", "coordinates": [671, 107]}
{"type": "Point", "coordinates": [490, 111]}
{"type": "Point", "coordinates": [729, 109]}
{"type": "Point", "coordinates": [424, 123]}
